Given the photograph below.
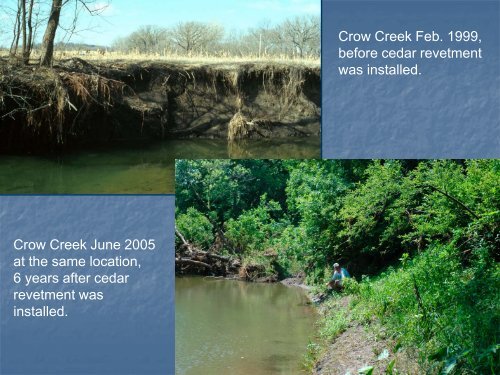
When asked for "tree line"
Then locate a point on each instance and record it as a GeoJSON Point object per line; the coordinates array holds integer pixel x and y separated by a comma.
{"type": "Point", "coordinates": [297, 37]}
{"type": "Point", "coordinates": [365, 214]}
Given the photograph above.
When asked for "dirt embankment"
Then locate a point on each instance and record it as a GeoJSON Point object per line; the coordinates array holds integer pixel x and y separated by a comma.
{"type": "Point", "coordinates": [80, 104]}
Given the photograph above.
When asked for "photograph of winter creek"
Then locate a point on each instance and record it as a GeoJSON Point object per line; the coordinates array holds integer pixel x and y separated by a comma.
{"type": "Point", "coordinates": [102, 97]}
{"type": "Point", "coordinates": [337, 266]}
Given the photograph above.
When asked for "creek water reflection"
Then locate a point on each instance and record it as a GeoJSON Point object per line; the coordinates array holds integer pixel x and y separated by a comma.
{"type": "Point", "coordinates": [134, 170]}
{"type": "Point", "coordinates": [234, 327]}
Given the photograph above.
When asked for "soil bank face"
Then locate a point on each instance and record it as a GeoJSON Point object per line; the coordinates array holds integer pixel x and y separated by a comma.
{"type": "Point", "coordinates": [77, 104]}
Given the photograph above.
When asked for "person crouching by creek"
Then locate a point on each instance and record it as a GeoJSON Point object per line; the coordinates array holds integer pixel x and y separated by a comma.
{"type": "Point", "coordinates": [339, 274]}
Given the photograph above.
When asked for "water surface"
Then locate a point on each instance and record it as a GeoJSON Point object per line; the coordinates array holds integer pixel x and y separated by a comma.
{"type": "Point", "coordinates": [134, 170]}
{"type": "Point", "coordinates": [234, 327]}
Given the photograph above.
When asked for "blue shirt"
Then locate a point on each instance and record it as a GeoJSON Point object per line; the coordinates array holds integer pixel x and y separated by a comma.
{"type": "Point", "coordinates": [340, 275]}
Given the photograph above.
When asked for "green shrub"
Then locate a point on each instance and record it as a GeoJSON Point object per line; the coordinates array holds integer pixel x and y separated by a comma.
{"type": "Point", "coordinates": [448, 311]}
{"type": "Point", "coordinates": [195, 227]}
{"type": "Point", "coordinates": [253, 230]}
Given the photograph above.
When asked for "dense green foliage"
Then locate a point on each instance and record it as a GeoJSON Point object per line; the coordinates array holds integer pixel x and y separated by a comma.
{"type": "Point", "coordinates": [433, 302]}
{"type": "Point", "coordinates": [223, 189]}
{"type": "Point", "coordinates": [424, 232]}
{"type": "Point", "coordinates": [196, 227]}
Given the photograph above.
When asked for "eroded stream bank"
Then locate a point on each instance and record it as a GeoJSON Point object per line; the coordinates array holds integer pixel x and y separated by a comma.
{"type": "Point", "coordinates": [81, 105]}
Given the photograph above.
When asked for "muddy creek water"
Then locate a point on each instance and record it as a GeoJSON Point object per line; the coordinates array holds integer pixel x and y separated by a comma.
{"type": "Point", "coordinates": [234, 327]}
{"type": "Point", "coordinates": [144, 170]}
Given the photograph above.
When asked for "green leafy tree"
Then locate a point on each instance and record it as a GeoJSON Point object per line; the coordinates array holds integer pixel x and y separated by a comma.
{"type": "Point", "coordinates": [375, 214]}
{"type": "Point", "coordinates": [195, 227]}
{"type": "Point", "coordinates": [223, 189]}
{"type": "Point", "coordinates": [314, 190]}
{"type": "Point", "coordinates": [255, 228]}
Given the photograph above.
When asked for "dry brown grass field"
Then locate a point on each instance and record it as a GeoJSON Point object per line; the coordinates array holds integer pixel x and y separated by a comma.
{"type": "Point", "coordinates": [104, 56]}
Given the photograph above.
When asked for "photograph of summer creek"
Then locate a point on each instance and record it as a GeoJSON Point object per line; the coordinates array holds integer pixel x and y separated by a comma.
{"type": "Point", "coordinates": [101, 97]}
{"type": "Point", "coordinates": [337, 266]}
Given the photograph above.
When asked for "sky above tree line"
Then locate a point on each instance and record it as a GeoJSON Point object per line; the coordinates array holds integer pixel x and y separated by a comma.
{"type": "Point", "coordinates": [119, 18]}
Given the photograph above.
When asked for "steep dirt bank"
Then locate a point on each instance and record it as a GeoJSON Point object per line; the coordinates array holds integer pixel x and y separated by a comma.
{"type": "Point", "coordinates": [80, 104]}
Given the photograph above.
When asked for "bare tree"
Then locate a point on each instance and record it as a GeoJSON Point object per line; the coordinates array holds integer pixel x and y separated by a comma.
{"type": "Point", "coordinates": [16, 31]}
{"type": "Point", "coordinates": [303, 33]}
{"type": "Point", "coordinates": [294, 37]}
{"type": "Point", "coordinates": [148, 39]}
{"type": "Point", "coordinates": [299, 36]}
{"type": "Point", "coordinates": [27, 26]}
{"type": "Point", "coordinates": [47, 51]}
{"type": "Point", "coordinates": [26, 21]}
{"type": "Point", "coordinates": [244, 44]}
{"type": "Point", "coordinates": [196, 36]}
{"type": "Point", "coordinates": [50, 33]}
{"type": "Point", "coordinates": [264, 39]}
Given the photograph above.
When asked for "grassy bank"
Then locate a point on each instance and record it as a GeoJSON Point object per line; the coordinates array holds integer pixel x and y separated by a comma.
{"type": "Point", "coordinates": [432, 303]}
